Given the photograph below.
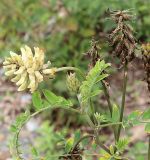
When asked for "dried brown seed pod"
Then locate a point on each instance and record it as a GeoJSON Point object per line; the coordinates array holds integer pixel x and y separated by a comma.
{"type": "Point", "coordinates": [121, 38]}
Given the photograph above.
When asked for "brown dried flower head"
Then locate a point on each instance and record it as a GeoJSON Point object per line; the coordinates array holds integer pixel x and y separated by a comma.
{"type": "Point", "coordinates": [121, 38]}
{"type": "Point", "coordinates": [146, 59]}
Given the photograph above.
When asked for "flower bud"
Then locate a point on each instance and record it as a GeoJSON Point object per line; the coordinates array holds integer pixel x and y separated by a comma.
{"type": "Point", "coordinates": [73, 83]}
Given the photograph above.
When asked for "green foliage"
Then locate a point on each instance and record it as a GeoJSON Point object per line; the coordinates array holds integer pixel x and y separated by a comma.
{"type": "Point", "coordinates": [93, 77]}
{"type": "Point", "coordinates": [147, 127]}
{"type": "Point", "coordinates": [65, 29]}
{"type": "Point", "coordinates": [69, 145]}
{"type": "Point", "coordinates": [146, 114]}
{"type": "Point", "coordinates": [48, 141]}
{"type": "Point", "coordinates": [138, 151]}
{"type": "Point", "coordinates": [122, 144]}
{"type": "Point", "coordinates": [56, 101]}
{"type": "Point", "coordinates": [100, 118]}
{"type": "Point", "coordinates": [35, 22]}
{"type": "Point", "coordinates": [115, 113]}
{"type": "Point", "coordinates": [134, 118]}
{"type": "Point", "coordinates": [15, 129]}
{"type": "Point", "coordinates": [36, 100]}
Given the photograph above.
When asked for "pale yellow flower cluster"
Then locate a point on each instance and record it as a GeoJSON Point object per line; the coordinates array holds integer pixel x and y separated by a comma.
{"type": "Point", "coordinates": [27, 70]}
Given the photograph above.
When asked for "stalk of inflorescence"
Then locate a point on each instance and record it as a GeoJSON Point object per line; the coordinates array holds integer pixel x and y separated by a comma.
{"type": "Point", "coordinates": [123, 42]}
{"type": "Point", "coordinates": [123, 99]}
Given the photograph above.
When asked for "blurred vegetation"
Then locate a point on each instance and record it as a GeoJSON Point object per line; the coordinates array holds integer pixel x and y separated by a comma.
{"type": "Point", "coordinates": [64, 28]}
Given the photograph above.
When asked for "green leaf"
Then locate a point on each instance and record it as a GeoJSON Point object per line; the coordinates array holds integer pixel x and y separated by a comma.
{"type": "Point", "coordinates": [146, 115]}
{"type": "Point", "coordinates": [77, 136]}
{"type": "Point", "coordinates": [134, 117]}
{"type": "Point", "coordinates": [36, 100]}
{"type": "Point", "coordinates": [122, 144]}
{"type": "Point", "coordinates": [95, 75]}
{"type": "Point", "coordinates": [101, 77]}
{"type": "Point", "coordinates": [111, 148]}
{"type": "Point", "coordinates": [21, 119]}
{"type": "Point", "coordinates": [93, 94]}
{"type": "Point", "coordinates": [147, 128]}
{"type": "Point", "coordinates": [34, 151]}
{"type": "Point", "coordinates": [115, 113]}
{"type": "Point", "coordinates": [46, 104]}
{"type": "Point", "coordinates": [56, 100]}
{"type": "Point", "coordinates": [69, 145]}
{"type": "Point", "coordinates": [13, 128]}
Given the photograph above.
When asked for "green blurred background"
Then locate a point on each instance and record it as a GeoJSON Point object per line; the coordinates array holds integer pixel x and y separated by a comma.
{"type": "Point", "coordinates": [64, 29]}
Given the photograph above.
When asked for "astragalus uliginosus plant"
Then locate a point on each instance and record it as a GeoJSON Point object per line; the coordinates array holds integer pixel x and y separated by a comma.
{"type": "Point", "coordinates": [28, 69]}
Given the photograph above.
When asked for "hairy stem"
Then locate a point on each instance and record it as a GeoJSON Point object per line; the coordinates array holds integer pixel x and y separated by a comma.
{"type": "Point", "coordinates": [125, 78]}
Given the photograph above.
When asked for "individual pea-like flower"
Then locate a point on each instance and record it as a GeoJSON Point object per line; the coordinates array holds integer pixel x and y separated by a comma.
{"type": "Point", "coordinates": [28, 70]}
{"type": "Point", "coordinates": [73, 83]}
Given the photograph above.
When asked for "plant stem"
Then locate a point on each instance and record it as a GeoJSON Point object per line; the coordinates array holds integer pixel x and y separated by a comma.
{"type": "Point", "coordinates": [107, 97]}
{"type": "Point", "coordinates": [148, 147]}
{"type": "Point", "coordinates": [109, 105]}
{"type": "Point", "coordinates": [109, 124]}
{"type": "Point", "coordinates": [125, 78]}
{"type": "Point", "coordinates": [71, 69]}
{"type": "Point", "coordinates": [96, 134]}
{"type": "Point", "coordinates": [90, 121]}
{"type": "Point", "coordinates": [46, 108]}
{"type": "Point", "coordinates": [81, 139]}
{"type": "Point", "coordinates": [100, 143]}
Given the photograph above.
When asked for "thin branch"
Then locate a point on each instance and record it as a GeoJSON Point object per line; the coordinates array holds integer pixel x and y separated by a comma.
{"type": "Point", "coordinates": [109, 124]}
{"type": "Point", "coordinates": [109, 105]}
{"type": "Point", "coordinates": [100, 143]}
{"type": "Point", "coordinates": [96, 134]}
{"type": "Point", "coordinates": [125, 78]}
{"type": "Point", "coordinates": [71, 69]}
{"type": "Point", "coordinates": [81, 139]}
